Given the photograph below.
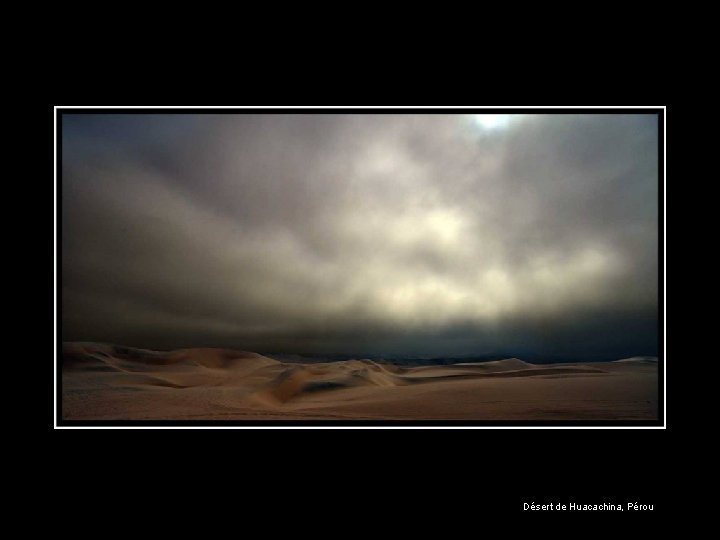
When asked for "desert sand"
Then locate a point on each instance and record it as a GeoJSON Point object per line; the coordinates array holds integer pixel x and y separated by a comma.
{"type": "Point", "coordinates": [108, 382]}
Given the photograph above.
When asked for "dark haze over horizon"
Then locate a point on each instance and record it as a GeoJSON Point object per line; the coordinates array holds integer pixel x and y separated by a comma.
{"type": "Point", "coordinates": [412, 234]}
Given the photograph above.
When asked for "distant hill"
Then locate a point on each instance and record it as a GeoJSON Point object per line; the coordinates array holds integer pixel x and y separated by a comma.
{"type": "Point", "coordinates": [444, 360]}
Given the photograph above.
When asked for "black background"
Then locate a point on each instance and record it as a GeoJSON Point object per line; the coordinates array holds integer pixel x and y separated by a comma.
{"type": "Point", "coordinates": [448, 482]}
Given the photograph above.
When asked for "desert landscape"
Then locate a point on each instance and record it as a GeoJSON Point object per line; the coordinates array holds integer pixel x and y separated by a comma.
{"type": "Point", "coordinates": [359, 265]}
{"type": "Point", "coordinates": [109, 382]}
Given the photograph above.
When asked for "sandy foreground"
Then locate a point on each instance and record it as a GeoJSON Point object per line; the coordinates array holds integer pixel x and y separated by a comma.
{"type": "Point", "coordinates": [107, 382]}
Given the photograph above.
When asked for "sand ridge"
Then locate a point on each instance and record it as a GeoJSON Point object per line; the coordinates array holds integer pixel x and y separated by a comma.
{"type": "Point", "coordinates": [104, 381]}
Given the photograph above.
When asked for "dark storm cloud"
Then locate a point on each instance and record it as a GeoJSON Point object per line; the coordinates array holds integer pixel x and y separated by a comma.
{"type": "Point", "coordinates": [400, 234]}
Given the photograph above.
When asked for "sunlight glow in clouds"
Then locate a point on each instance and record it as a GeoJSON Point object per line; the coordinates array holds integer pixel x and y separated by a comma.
{"type": "Point", "coordinates": [360, 232]}
{"type": "Point", "coordinates": [493, 121]}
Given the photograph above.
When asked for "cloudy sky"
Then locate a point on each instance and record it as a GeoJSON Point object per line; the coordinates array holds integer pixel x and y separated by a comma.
{"type": "Point", "coordinates": [367, 234]}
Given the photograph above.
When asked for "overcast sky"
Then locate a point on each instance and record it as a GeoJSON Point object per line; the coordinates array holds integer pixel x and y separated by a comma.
{"type": "Point", "coordinates": [362, 234]}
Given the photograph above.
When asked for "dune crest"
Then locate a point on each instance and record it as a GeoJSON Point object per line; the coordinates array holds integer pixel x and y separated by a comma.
{"type": "Point", "coordinates": [110, 381]}
{"type": "Point", "coordinates": [639, 360]}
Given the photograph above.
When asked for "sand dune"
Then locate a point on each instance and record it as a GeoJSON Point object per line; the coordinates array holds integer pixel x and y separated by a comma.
{"type": "Point", "coordinates": [103, 381]}
{"type": "Point", "coordinates": [640, 360]}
